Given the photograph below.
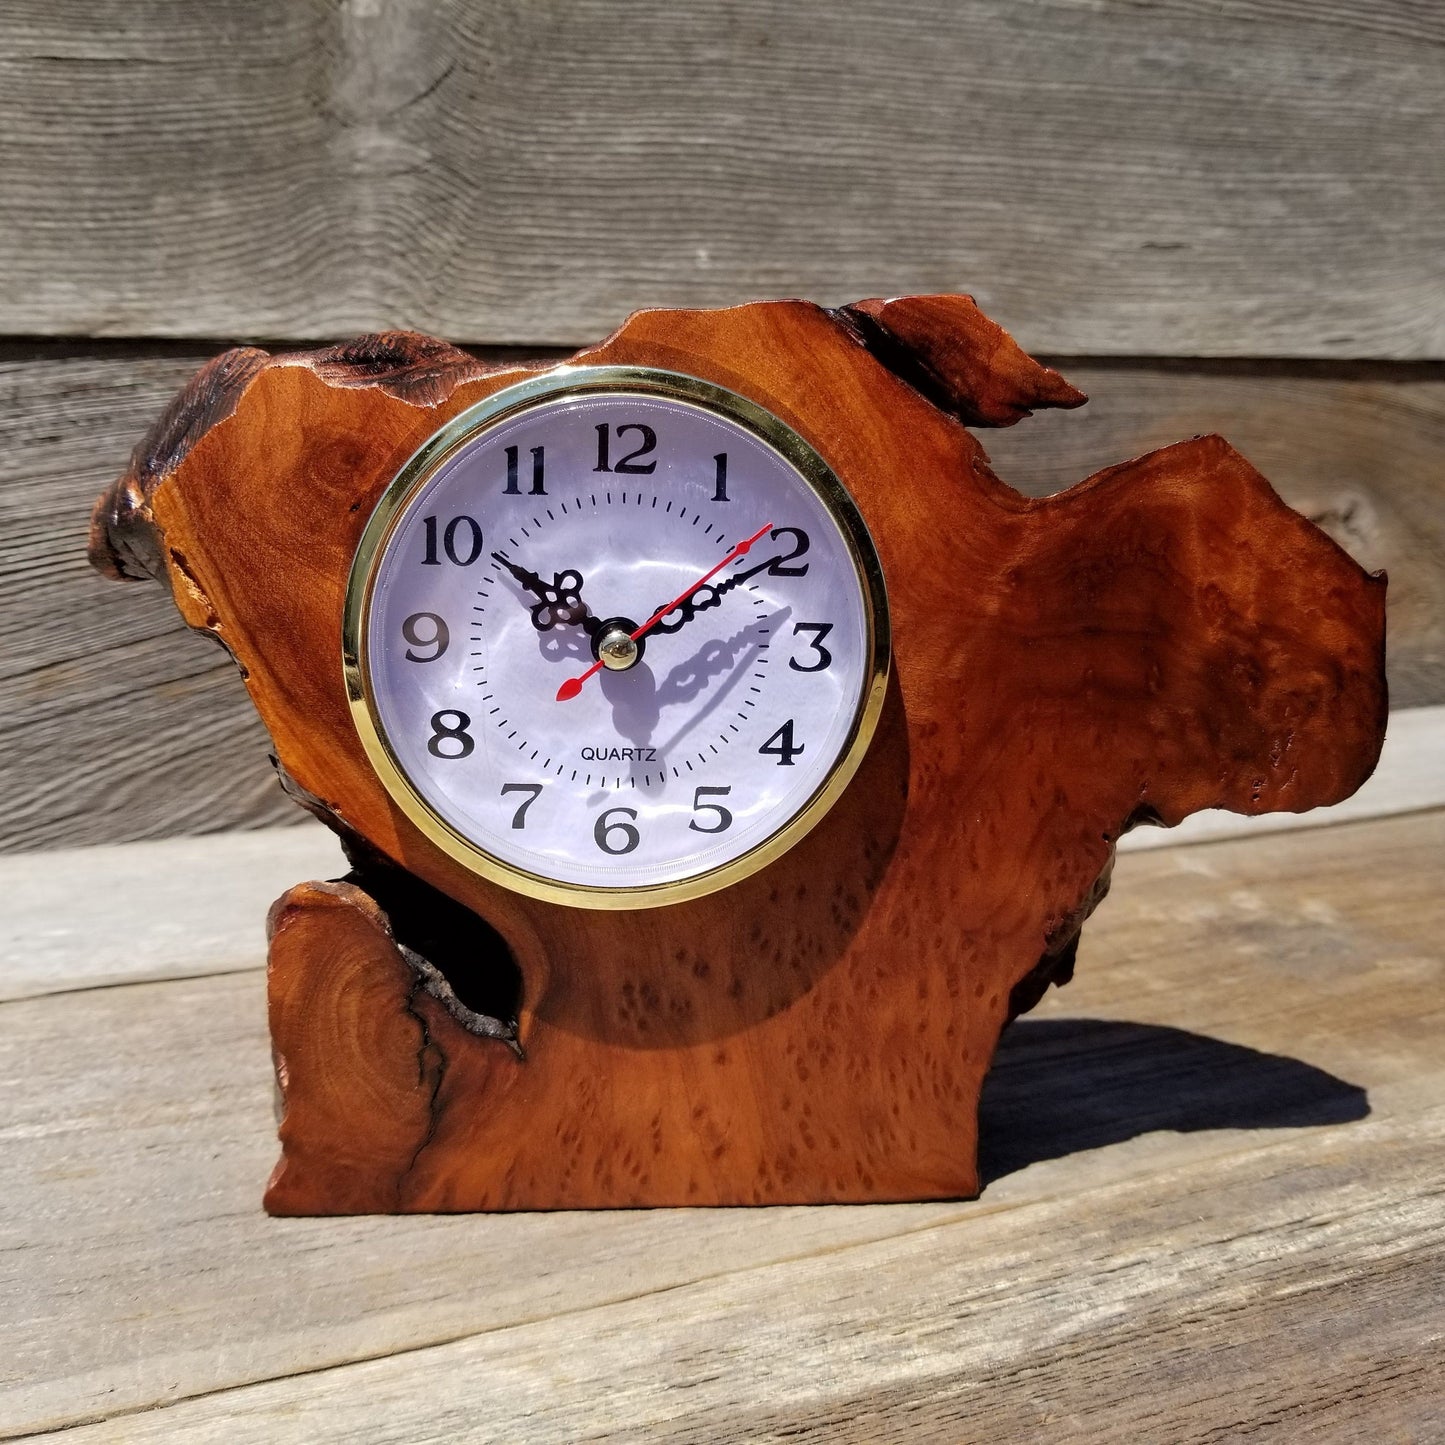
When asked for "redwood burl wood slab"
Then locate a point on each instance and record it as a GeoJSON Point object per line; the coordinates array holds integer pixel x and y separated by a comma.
{"type": "Point", "coordinates": [1164, 637]}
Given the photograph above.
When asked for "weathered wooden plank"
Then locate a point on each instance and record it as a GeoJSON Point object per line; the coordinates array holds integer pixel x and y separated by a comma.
{"type": "Point", "coordinates": [1233, 179]}
{"type": "Point", "coordinates": [1307, 1295]}
{"type": "Point", "coordinates": [89, 671]}
{"type": "Point", "coordinates": [139, 912]}
{"type": "Point", "coordinates": [189, 907]}
{"type": "Point", "coordinates": [118, 724]}
{"type": "Point", "coordinates": [1179, 1153]}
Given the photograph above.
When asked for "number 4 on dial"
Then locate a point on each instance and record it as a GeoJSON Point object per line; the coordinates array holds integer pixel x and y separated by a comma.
{"type": "Point", "coordinates": [782, 746]}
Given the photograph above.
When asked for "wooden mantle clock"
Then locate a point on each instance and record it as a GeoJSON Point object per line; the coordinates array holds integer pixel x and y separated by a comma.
{"type": "Point", "coordinates": [724, 755]}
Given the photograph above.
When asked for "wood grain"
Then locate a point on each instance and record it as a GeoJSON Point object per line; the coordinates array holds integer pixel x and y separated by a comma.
{"type": "Point", "coordinates": [1409, 778]}
{"type": "Point", "coordinates": [122, 724]}
{"type": "Point", "coordinates": [1177, 179]}
{"type": "Point", "coordinates": [189, 907]}
{"type": "Point", "coordinates": [1359, 456]}
{"type": "Point", "coordinates": [1222, 1222]}
{"type": "Point", "coordinates": [807, 1036]}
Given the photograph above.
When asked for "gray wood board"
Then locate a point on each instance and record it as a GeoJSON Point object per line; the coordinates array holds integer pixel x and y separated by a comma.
{"type": "Point", "coordinates": [1280, 1297]}
{"type": "Point", "coordinates": [1214, 1208]}
{"type": "Point", "coordinates": [1244, 178]}
{"type": "Point", "coordinates": [110, 708]}
{"type": "Point", "coordinates": [117, 723]}
{"type": "Point", "coordinates": [190, 907]}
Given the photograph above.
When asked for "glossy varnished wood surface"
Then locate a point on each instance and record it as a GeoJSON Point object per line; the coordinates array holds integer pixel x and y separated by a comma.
{"type": "Point", "coordinates": [1212, 1210]}
{"type": "Point", "coordinates": [820, 1031]}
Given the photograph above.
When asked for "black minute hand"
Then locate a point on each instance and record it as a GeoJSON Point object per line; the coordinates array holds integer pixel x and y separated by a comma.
{"type": "Point", "coordinates": [560, 600]}
{"type": "Point", "coordinates": [709, 595]}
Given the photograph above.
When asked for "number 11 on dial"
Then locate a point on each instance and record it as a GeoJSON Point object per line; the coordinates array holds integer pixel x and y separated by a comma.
{"type": "Point", "coordinates": [637, 679]}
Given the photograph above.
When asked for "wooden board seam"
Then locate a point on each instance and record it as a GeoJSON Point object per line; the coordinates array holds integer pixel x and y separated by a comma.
{"type": "Point", "coordinates": [17, 995]}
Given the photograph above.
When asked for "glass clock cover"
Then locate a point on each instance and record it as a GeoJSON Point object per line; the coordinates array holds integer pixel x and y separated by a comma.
{"type": "Point", "coordinates": [531, 688]}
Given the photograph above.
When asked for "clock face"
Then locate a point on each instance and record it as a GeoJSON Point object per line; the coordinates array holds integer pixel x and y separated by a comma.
{"type": "Point", "coordinates": [616, 637]}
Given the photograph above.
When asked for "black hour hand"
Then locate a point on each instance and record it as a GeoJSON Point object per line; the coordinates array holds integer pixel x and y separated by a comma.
{"type": "Point", "coordinates": [560, 601]}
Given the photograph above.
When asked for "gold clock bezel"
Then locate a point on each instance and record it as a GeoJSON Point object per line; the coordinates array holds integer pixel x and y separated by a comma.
{"type": "Point", "coordinates": [462, 429]}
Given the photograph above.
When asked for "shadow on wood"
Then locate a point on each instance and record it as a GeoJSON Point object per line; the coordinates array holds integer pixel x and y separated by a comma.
{"type": "Point", "coordinates": [1061, 1086]}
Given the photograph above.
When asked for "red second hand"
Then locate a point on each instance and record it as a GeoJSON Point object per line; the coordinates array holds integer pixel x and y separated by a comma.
{"type": "Point", "coordinates": [573, 685]}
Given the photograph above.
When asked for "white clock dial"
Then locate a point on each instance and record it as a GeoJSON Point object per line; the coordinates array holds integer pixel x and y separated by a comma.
{"type": "Point", "coordinates": [531, 550]}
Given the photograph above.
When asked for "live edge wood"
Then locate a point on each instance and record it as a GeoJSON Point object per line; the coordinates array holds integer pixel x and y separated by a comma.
{"type": "Point", "coordinates": [1165, 636]}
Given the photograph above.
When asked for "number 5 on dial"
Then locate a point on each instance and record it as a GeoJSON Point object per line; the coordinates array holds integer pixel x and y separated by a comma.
{"type": "Point", "coordinates": [724, 817]}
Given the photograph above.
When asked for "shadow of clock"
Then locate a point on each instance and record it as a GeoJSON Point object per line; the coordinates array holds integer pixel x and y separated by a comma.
{"type": "Point", "coordinates": [661, 978]}
{"type": "Point", "coordinates": [1062, 1086]}
{"type": "Point", "coordinates": [640, 701]}
{"type": "Point", "coordinates": [712, 967]}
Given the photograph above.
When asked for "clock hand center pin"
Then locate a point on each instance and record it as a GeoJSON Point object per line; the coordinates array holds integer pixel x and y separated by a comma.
{"type": "Point", "coordinates": [617, 640]}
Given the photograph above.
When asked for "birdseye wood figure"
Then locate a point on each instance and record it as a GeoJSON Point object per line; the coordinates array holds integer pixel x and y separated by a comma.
{"type": "Point", "coordinates": [724, 754]}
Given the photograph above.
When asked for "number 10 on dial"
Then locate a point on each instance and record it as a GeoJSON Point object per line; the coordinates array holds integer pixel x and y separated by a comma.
{"type": "Point", "coordinates": [615, 637]}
